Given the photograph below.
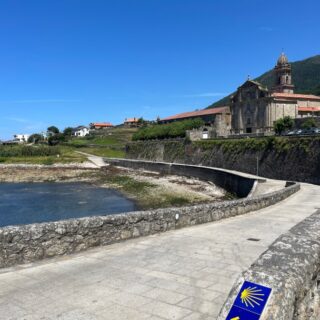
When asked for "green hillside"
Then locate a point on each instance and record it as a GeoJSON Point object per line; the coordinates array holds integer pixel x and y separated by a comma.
{"type": "Point", "coordinates": [305, 75]}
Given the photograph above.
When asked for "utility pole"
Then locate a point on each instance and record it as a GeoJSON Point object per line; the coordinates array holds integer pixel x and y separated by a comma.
{"type": "Point", "coordinates": [257, 164]}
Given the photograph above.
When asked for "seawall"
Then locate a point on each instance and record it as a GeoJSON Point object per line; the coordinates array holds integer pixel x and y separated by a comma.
{"type": "Point", "coordinates": [281, 158]}
{"type": "Point", "coordinates": [27, 243]}
{"type": "Point", "coordinates": [291, 268]}
{"type": "Point", "coordinates": [235, 183]}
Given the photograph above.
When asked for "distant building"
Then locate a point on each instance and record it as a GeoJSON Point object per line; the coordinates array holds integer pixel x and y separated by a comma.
{"type": "Point", "coordinates": [131, 122]}
{"type": "Point", "coordinates": [207, 115]}
{"type": "Point", "coordinates": [100, 125]}
{"type": "Point", "coordinates": [80, 131]}
{"type": "Point", "coordinates": [254, 108]}
{"type": "Point", "coordinates": [217, 122]}
{"type": "Point", "coordinates": [21, 137]}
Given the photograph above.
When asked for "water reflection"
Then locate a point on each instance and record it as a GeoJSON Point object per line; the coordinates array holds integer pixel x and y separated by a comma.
{"type": "Point", "coordinates": [24, 203]}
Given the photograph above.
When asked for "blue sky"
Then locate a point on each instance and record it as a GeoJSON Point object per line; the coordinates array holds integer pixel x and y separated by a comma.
{"type": "Point", "coordinates": [71, 62]}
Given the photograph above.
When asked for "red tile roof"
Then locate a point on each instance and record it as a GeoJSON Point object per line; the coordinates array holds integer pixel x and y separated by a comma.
{"type": "Point", "coordinates": [295, 96]}
{"type": "Point", "coordinates": [312, 109]}
{"type": "Point", "coordinates": [101, 124]}
{"type": "Point", "coordinates": [199, 113]}
{"type": "Point", "coordinates": [131, 120]}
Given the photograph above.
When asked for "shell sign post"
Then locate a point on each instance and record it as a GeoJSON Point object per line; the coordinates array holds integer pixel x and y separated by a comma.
{"type": "Point", "coordinates": [250, 302]}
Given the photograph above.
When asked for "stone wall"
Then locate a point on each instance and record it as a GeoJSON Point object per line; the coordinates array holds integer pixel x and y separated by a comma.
{"type": "Point", "coordinates": [291, 267]}
{"type": "Point", "coordinates": [295, 159]}
{"type": "Point", "coordinates": [23, 244]}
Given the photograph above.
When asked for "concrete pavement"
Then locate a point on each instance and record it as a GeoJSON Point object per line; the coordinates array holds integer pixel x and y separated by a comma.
{"type": "Point", "coordinates": [182, 274]}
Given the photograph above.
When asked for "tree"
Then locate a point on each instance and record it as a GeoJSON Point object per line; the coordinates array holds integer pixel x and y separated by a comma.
{"type": "Point", "coordinates": [283, 124]}
{"type": "Point", "coordinates": [68, 132]}
{"type": "Point", "coordinates": [53, 130]}
{"type": "Point", "coordinates": [309, 123]}
{"type": "Point", "coordinates": [55, 139]}
{"type": "Point", "coordinates": [35, 138]}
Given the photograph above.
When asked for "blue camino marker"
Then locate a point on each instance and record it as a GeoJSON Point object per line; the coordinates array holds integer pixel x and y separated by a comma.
{"type": "Point", "coordinates": [250, 302]}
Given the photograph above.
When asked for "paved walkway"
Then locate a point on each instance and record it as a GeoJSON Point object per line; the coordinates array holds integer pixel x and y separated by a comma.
{"type": "Point", "coordinates": [96, 160]}
{"type": "Point", "coordinates": [183, 274]}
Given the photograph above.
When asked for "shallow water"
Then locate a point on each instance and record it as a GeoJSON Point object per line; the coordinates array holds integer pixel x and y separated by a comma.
{"type": "Point", "coordinates": [25, 203]}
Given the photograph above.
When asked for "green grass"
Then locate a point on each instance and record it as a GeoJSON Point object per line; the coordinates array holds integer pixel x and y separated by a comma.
{"type": "Point", "coordinates": [280, 144]}
{"type": "Point", "coordinates": [129, 184]}
{"type": "Point", "coordinates": [65, 155]}
{"type": "Point", "coordinates": [116, 137]}
{"type": "Point", "coordinates": [105, 143]}
{"type": "Point", "coordinates": [104, 152]}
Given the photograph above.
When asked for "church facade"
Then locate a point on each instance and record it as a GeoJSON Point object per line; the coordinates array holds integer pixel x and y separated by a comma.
{"type": "Point", "coordinates": [254, 108]}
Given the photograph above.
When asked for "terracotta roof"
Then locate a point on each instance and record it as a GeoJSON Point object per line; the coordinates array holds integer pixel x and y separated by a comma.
{"type": "Point", "coordinates": [295, 96]}
{"type": "Point", "coordinates": [101, 124]}
{"type": "Point", "coordinates": [199, 113]}
{"type": "Point", "coordinates": [131, 120]}
{"type": "Point", "coordinates": [312, 109]}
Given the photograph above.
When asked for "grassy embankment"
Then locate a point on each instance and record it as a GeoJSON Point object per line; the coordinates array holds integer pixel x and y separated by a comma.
{"type": "Point", "coordinates": [105, 143]}
{"type": "Point", "coordinates": [40, 154]}
{"type": "Point", "coordinates": [278, 144]}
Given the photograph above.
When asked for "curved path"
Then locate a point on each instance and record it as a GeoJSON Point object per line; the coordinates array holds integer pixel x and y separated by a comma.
{"type": "Point", "coordinates": [181, 274]}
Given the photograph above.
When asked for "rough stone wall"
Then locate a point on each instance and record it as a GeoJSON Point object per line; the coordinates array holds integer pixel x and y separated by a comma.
{"type": "Point", "coordinates": [296, 159]}
{"type": "Point", "coordinates": [291, 267]}
{"type": "Point", "coordinates": [23, 244]}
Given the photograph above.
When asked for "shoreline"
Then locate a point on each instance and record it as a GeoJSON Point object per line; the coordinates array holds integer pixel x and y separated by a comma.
{"type": "Point", "coordinates": [148, 190]}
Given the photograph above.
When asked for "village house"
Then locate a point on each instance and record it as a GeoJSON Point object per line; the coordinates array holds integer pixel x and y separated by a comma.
{"type": "Point", "coordinates": [21, 138]}
{"type": "Point", "coordinates": [217, 122]}
{"type": "Point", "coordinates": [100, 125]}
{"type": "Point", "coordinates": [131, 122]}
{"type": "Point", "coordinates": [80, 131]}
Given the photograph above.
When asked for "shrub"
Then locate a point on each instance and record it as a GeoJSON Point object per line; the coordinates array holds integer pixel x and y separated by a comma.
{"type": "Point", "coordinates": [35, 138]}
{"type": "Point", "coordinates": [27, 151]}
{"type": "Point", "coordinates": [309, 123]}
{"type": "Point", "coordinates": [283, 124]}
{"type": "Point", "coordinates": [165, 131]}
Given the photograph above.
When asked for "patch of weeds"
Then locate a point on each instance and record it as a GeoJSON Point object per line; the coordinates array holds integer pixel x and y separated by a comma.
{"type": "Point", "coordinates": [48, 162]}
{"type": "Point", "coordinates": [129, 184]}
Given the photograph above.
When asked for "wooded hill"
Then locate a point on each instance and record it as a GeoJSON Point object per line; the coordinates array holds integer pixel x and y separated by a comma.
{"type": "Point", "coordinates": [305, 75]}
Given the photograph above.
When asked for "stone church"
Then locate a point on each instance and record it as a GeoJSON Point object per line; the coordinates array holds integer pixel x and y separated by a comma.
{"type": "Point", "coordinates": [254, 108]}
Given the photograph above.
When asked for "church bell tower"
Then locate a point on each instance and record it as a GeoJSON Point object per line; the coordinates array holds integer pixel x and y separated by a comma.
{"type": "Point", "coordinates": [283, 76]}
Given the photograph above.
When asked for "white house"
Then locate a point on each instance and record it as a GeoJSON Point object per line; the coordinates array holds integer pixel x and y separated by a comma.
{"type": "Point", "coordinates": [21, 137]}
{"type": "Point", "coordinates": [81, 131]}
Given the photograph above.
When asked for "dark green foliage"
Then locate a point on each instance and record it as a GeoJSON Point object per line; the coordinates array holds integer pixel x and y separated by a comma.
{"type": "Point", "coordinates": [53, 130]}
{"type": "Point", "coordinates": [165, 131]}
{"type": "Point", "coordinates": [309, 123]}
{"type": "Point", "coordinates": [305, 77]}
{"type": "Point", "coordinates": [56, 139]}
{"type": "Point", "coordinates": [283, 124]}
{"type": "Point", "coordinates": [36, 138]}
{"type": "Point", "coordinates": [67, 132]}
{"type": "Point", "coordinates": [28, 151]}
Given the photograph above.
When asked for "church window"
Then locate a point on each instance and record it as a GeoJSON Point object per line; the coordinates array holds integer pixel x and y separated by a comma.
{"type": "Point", "coordinates": [287, 79]}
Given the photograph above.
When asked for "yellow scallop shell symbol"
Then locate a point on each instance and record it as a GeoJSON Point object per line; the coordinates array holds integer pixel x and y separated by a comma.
{"type": "Point", "coordinates": [251, 297]}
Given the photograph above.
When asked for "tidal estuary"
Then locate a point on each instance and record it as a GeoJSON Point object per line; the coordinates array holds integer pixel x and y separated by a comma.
{"type": "Point", "coordinates": [25, 203]}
